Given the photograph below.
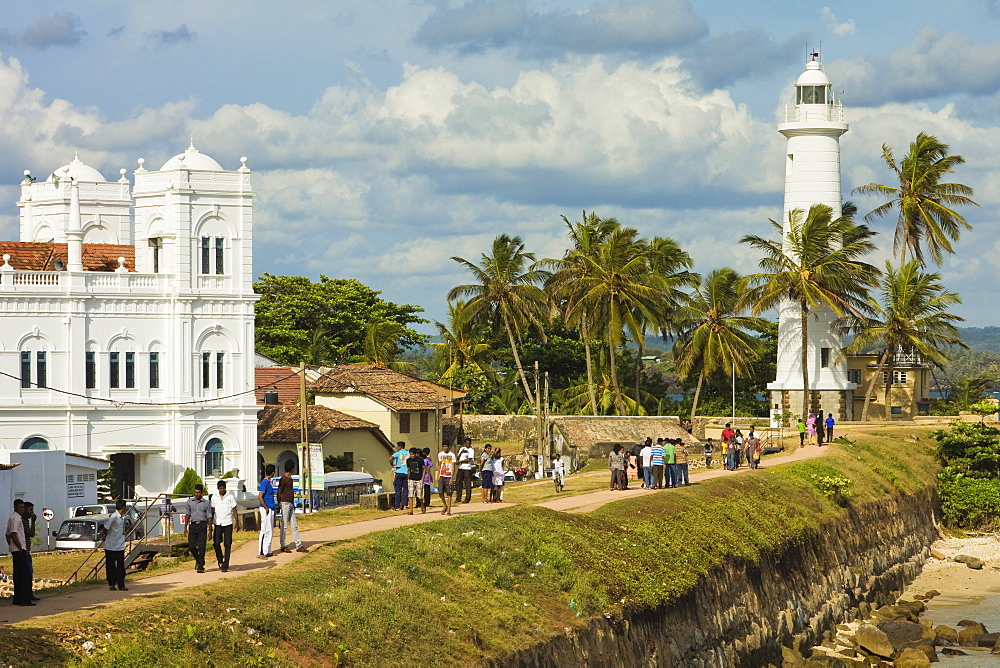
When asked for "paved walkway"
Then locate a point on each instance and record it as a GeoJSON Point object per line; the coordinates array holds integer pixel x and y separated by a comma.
{"type": "Point", "coordinates": [243, 559]}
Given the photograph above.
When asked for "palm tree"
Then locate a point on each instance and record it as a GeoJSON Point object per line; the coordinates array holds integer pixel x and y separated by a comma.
{"type": "Point", "coordinates": [815, 264]}
{"type": "Point", "coordinates": [564, 286]}
{"type": "Point", "coordinates": [506, 293]}
{"type": "Point", "coordinates": [621, 293]}
{"type": "Point", "coordinates": [715, 333]}
{"type": "Point", "coordinates": [381, 345]}
{"type": "Point", "coordinates": [925, 204]}
{"type": "Point", "coordinates": [910, 317]}
{"type": "Point", "coordinates": [967, 390]}
{"type": "Point", "coordinates": [465, 348]}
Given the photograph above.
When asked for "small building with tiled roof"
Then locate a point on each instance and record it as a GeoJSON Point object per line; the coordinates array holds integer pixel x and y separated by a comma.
{"type": "Point", "coordinates": [276, 385]}
{"type": "Point", "coordinates": [405, 408]}
{"type": "Point", "coordinates": [126, 321]}
{"type": "Point", "coordinates": [342, 435]}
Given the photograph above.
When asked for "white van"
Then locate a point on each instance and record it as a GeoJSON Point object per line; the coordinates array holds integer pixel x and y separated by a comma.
{"type": "Point", "coordinates": [83, 533]}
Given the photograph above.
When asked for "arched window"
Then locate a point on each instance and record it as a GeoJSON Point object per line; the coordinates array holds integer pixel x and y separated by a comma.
{"type": "Point", "coordinates": [213, 458]}
{"type": "Point", "coordinates": [286, 456]}
{"type": "Point", "coordinates": [35, 443]}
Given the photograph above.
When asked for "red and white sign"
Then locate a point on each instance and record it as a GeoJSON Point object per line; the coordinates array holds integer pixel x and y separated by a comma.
{"type": "Point", "coordinates": [48, 515]}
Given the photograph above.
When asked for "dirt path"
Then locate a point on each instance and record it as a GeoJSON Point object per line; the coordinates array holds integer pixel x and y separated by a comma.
{"type": "Point", "coordinates": [243, 559]}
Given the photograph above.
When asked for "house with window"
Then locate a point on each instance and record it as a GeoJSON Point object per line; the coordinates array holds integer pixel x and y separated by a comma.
{"type": "Point", "coordinates": [128, 320]}
{"type": "Point", "coordinates": [405, 408]}
{"type": "Point", "coordinates": [357, 441]}
{"type": "Point", "coordinates": [909, 393]}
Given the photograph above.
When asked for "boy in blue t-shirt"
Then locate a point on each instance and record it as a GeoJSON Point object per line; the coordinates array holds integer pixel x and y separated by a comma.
{"type": "Point", "coordinates": [829, 427]}
{"type": "Point", "coordinates": [265, 496]}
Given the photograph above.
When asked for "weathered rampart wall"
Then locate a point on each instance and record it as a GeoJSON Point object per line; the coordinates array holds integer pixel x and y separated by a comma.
{"type": "Point", "coordinates": [741, 613]}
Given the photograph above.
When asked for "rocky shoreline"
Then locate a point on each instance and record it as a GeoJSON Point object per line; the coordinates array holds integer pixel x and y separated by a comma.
{"type": "Point", "coordinates": [959, 571]}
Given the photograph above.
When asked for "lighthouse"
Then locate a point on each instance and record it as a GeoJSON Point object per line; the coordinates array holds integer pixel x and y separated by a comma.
{"type": "Point", "coordinates": [813, 127]}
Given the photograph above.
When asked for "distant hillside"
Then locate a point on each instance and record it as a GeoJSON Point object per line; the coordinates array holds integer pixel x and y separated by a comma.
{"type": "Point", "coordinates": [981, 339]}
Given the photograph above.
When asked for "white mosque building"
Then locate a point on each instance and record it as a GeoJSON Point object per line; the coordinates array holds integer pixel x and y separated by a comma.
{"type": "Point", "coordinates": [813, 127]}
{"type": "Point", "coordinates": [127, 321]}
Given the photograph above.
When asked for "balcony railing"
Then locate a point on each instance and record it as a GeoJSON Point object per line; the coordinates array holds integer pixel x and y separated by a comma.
{"type": "Point", "coordinates": [15, 281]}
{"type": "Point", "coordinates": [827, 113]}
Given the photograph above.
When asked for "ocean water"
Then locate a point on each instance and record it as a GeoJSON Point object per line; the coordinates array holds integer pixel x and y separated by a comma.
{"type": "Point", "coordinates": [949, 610]}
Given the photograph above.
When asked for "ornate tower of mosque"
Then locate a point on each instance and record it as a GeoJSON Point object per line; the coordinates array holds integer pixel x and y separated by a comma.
{"type": "Point", "coordinates": [812, 176]}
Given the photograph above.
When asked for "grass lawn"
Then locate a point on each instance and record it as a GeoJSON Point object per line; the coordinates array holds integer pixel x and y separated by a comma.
{"type": "Point", "coordinates": [478, 586]}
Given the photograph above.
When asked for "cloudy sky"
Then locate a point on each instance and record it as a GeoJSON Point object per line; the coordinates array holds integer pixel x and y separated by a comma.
{"type": "Point", "coordinates": [388, 135]}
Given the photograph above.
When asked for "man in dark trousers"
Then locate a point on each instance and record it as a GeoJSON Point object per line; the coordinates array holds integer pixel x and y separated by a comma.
{"type": "Point", "coordinates": [463, 481]}
{"type": "Point", "coordinates": [196, 527]}
{"type": "Point", "coordinates": [29, 533]}
{"type": "Point", "coordinates": [19, 555]}
{"type": "Point", "coordinates": [224, 518]}
{"type": "Point", "coordinates": [114, 547]}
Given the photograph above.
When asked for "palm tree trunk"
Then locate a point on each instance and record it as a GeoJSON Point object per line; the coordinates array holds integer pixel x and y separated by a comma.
{"type": "Point", "coordinates": [871, 385]}
{"type": "Point", "coordinates": [638, 372]}
{"type": "Point", "coordinates": [804, 323]}
{"type": "Point", "coordinates": [590, 364]}
{"type": "Point", "coordinates": [615, 389]}
{"type": "Point", "coordinates": [697, 394]}
{"type": "Point", "coordinates": [517, 362]}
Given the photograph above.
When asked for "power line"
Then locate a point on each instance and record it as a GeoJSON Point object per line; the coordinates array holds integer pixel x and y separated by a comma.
{"type": "Point", "coordinates": [120, 402]}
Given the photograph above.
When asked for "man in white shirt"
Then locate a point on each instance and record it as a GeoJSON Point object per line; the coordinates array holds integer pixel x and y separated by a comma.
{"type": "Point", "coordinates": [223, 520]}
{"type": "Point", "coordinates": [114, 547]}
{"type": "Point", "coordinates": [19, 555]}
{"type": "Point", "coordinates": [558, 472]}
{"type": "Point", "coordinates": [646, 464]}
{"type": "Point", "coordinates": [463, 481]}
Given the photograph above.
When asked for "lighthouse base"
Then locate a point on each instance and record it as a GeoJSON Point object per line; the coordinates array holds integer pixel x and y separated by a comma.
{"type": "Point", "coordinates": [786, 405]}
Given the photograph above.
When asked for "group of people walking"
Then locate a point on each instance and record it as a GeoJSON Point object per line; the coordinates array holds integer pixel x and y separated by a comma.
{"type": "Point", "coordinates": [657, 465]}
{"type": "Point", "coordinates": [415, 472]}
{"type": "Point", "coordinates": [737, 449]}
{"type": "Point", "coordinates": [816, 427]}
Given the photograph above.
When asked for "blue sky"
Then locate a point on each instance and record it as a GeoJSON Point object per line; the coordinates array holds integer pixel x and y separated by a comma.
{"type": "Point", "coordinates": [387, 136]}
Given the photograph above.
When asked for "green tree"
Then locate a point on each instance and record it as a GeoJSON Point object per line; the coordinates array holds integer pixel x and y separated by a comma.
{"type": "Point", "coordinates": [624, 288]}
{"type": "Point", "coordinates": [925, 204]}
{"type": "Point", "coordinates": [817, 263]}
{"type": "Point", "coordinates": [967, 390]}
{"type": "Point", "coordinates": [464, 344]}
{"type": "Point", "coordinates": [326, 322]}
{"type": "Point", "coordinates": [382, 343]}
{"type": "Point", "coordinates": [506, 292]}
{"type": "Point", "coordinates": [185, 486]}
{"type": "Point", "coordinates": [910, 317]}
{"type": "Point", "coordinates": [715, 333]}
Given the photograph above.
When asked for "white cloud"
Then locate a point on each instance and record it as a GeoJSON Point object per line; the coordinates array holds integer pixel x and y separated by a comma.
{"type": "Point", "coordinates": [936, 64]}
{"type": "Point", "coordinates": [842, 29]}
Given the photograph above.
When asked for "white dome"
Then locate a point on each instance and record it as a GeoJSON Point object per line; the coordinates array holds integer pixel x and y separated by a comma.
{"type": "Point", "coordinates": [192, 158]}
{"type": "Point", "coordinates": [79, 171]}
{"type": "Point", "coordinates": [813, 76]}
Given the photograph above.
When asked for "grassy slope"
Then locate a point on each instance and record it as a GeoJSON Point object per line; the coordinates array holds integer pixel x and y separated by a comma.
{"type": "Point", "coordinates": [478, 586]}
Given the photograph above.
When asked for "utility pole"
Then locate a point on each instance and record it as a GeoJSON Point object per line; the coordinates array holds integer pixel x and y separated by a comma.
{"type": "Point", "coordinates": [545, 425]}
{"type": "Point", "coordinates": [538, 411]}
{"type": "Point", "coordinates": [304, 477]}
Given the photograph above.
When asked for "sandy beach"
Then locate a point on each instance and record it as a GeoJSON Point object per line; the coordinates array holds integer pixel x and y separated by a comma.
{"type": "Point", "coordinates": [956, 580]}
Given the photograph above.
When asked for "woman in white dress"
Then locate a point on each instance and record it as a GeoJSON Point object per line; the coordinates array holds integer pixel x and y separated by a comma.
{"type": "Point", "coordinates": [498, 474]}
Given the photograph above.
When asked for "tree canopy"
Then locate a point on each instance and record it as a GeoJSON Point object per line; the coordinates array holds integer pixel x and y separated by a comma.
{"type": "Point", "coordinates": [326, 322]}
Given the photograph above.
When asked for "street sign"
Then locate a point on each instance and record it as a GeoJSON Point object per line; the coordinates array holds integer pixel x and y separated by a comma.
{"type": "Point", "coordinates": [47, 514]}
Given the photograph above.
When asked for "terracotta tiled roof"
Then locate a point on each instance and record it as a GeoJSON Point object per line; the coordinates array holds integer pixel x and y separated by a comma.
{"type": "Point", "coordinates": [284, 379]}
{"type": "Point", "coordinates": [42, 256]}
{"type": "Point", "coordinates": [396, 390]}
{"type": "Point", "coordinates": [280, 424]}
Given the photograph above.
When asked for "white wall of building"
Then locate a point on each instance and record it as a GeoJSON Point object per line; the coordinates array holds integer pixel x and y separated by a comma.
{"type": "Point", "coordinates": [178, 305]}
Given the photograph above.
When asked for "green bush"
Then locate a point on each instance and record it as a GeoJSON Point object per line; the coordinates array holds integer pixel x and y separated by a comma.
{"type": "Point", "coordinates": [187, 482]}
{"type": "Point", "coordinates": [969, 502]}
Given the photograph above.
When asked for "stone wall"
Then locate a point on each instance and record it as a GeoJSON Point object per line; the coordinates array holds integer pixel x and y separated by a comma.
{"type": "Point", "coordinates": [743, 612]}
